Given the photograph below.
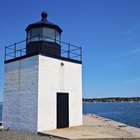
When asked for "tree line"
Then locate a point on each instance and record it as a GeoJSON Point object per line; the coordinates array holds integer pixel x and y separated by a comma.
{"type": "Point", "coordinates": [113, 99]}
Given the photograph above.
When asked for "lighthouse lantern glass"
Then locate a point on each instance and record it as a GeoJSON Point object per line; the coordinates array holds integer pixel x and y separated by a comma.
{"type": "Point", "coordinates": [43, 34]}
{"type": "Point", "coordinates": [49, 34]}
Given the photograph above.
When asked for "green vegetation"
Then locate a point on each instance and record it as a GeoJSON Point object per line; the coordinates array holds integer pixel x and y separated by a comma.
{"type": "Point", "coordinates": [113, 99]}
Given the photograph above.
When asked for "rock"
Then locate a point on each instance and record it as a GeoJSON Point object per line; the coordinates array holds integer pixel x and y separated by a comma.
{"type": "Point", "coordinates": [3, 129]}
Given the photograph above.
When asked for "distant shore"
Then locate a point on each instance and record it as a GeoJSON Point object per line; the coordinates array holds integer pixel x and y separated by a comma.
{"type": "Point", "coordinates": [113, 99]}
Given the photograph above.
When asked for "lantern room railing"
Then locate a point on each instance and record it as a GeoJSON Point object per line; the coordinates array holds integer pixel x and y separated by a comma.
{"type": "Point", "coordinates": [19, 49]}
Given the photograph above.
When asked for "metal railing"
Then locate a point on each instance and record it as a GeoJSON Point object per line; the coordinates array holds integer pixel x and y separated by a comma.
{"type": "Point", "coordinates": [19, 49]}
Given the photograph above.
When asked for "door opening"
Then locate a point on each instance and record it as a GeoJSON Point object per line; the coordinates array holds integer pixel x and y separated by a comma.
{"type": "Point", "coordinates": [62, 110]}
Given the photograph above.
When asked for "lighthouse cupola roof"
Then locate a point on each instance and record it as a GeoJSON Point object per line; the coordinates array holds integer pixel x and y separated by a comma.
{"type": "Point", "coordinates": [43, 23]}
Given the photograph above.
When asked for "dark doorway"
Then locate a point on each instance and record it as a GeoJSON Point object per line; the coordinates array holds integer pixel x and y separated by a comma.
{"type": "Point", "coordinates": [62, 110]}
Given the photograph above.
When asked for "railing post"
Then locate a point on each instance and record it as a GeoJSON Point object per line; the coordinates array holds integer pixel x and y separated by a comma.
{"type": "Point", "coordinates": [68, 50]}
{"type": "Point", "coordinates": [80, 54]}
{"type": "Point", "coordinates": [39, 37]}
{"type": "Point", "coordinates": [55, 37]}
{"type": "Point", "coordinates": [26, 39]}
{"type": "Point", "coordinates": [5, 53]}
{"type": "Point", "coordinates": [15, 51]}
{"type": "Point", "coordinates": [20, 52]}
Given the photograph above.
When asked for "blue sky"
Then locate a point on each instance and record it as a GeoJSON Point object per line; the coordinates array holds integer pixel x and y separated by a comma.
{"type": "Point", "coordinates": [107, 30]}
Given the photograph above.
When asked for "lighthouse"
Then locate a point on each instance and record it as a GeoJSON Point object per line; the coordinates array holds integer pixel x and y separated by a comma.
{"type": "Point", "coordinates": [43, 80]}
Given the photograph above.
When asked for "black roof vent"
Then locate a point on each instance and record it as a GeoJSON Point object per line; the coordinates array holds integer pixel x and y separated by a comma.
{"type": "Point", "coordinates": [44, 16]}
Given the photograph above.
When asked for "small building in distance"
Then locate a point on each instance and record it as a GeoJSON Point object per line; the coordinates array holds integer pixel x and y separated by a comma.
{"type": "Point", "coordinates": [43, 81]}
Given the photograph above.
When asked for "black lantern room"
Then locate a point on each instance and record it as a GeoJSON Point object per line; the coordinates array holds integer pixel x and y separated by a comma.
{"type": "Point", "coordinates": [43, 37]}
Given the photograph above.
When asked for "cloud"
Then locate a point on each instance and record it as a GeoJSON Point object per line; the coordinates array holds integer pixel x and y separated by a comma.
{"type": "Point", "coordinates": [132, 29]}
{"type": "Point", "coordinates": [132, 80]}
{"type": "Point", "coordinates": [130, 53]}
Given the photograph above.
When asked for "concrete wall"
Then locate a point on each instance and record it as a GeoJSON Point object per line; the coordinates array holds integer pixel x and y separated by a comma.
{"type": "Point", "coordinates": [21, 94]}
{"type": "Point", "coordinates": [30, 89]}
{"type": "Point", "coordinates": [55, 78]}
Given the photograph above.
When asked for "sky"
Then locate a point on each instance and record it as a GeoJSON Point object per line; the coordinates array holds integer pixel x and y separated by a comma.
{"type": "Point", "coordinates": [107, 30]}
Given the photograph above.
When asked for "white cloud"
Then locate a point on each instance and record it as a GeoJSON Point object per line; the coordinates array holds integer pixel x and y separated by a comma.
{"type": "Point", "coordinates": [130, 53]}
{"type": "Point", "coordinates": [133, 28]}
{"type": "Point", "coordinates": [132, 80]}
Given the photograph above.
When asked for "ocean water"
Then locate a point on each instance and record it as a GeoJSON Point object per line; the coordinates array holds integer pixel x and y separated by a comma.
{"type": "Point", "coordinates": [0, 111]}
{"type": "Point", "coordinates": [128, 113]}
{"type": "Point", "coordinates": [125, 112]}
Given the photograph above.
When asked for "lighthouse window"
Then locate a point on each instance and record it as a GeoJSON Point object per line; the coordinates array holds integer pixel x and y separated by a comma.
{"type": "Point", "coordinates": [35, 34]}
{"type": "Point", "coordinates": [49, 34]}
{"type": "Point", "coordinates": [58, 38]}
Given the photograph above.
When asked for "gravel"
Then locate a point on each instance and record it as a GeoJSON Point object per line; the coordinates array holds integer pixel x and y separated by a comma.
{"type": "Point", "coordinates": [18, 135]}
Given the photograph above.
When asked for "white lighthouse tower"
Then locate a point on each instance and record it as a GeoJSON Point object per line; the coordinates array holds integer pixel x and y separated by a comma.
{"type": "Point", "coordinates": [43, 81]}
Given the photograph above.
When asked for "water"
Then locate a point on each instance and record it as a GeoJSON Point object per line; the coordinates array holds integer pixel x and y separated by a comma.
{"type": "Point", "coordinates": [128, 113]}
{"type": "Point", "coordinates": [0, 111]}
